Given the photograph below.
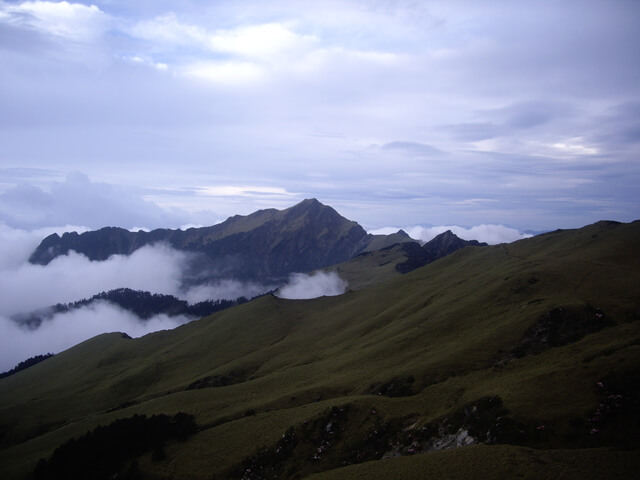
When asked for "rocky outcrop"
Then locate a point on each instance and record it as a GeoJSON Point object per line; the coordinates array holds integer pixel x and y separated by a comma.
{"type": "Point", "coordinates": [440, 246]}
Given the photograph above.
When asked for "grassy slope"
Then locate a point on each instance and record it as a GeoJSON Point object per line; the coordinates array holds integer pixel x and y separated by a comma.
{"type": "Point", "coordinates": [443, 324]}
{"type": "Point", "coordinates": [370, 268]}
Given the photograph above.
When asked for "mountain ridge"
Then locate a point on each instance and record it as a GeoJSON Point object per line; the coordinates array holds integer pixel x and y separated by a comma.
{"type": "Point", "coordinates": [372, 267]}
{"type": "Point", "coordinates": [263, 246]}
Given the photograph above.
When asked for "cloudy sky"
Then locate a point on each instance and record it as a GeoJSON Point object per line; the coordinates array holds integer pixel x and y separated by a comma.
{"type": "Point", "coordinates": [396, 113]}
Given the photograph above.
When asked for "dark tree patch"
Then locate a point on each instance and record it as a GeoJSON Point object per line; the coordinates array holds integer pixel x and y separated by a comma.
{"type": "Point", "coordinates": [110, 451]}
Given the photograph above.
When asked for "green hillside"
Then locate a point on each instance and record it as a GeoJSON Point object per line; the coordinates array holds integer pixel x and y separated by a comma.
{"type": "Point", "coordinates": [371, 268]}
{"type": "Point", "coordinates": [526, 355]}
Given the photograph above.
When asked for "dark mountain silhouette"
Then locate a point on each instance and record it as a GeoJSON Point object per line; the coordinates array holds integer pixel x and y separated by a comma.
{"type": "Point", "coordinates": [142, 304]}
{"type": "Point", "coordinates": [373, 267]}
{"type": "Point", "coordinates": [264, 246]}
{"type": "Point", "coordinates": [440, 246]}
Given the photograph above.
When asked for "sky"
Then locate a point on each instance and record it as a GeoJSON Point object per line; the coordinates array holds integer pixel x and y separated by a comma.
{"type": "Point", "coordinates": [396, 113]}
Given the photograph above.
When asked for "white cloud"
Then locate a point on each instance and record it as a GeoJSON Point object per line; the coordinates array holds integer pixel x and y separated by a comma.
{"type": "Point", "coordinates": [74, 21]}
{"type": "Point", "coordinates": [26, 287]}
{"type": "Point", "coordinates": [317, 284]}
{"type": "Point", "coordinates": [242, 191]}
{"type": "Point", "coordinates": [72, 277]}
{"type": "Point", "coordinates": [575, 147]}
{"type": "Point", "coordinates": [65, 330]}
{"type": "Point", "coordinates": [17, 245]}
{"type": "Point", "coordinates": [251, 53]}
{"type": "Point", "coordinates": [227, 73]}
{"type": "Point", "coordinates": [260, 42]}
{"type": "Point", "coordinates": [80, 201]}
{"type": "Point", "coordinates": [168, 29]}
{"type": "Point", "coordinates": [226, 289]}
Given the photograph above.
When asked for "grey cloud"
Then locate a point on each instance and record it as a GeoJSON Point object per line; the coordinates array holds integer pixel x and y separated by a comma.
{"type": "Point", "coordinates": [17, 174]}
{"type": "Point", "coordinates": [529, 114]}
{"type": "Point", "coordinates": [509, 120]}
{"type": "Point", "coordinates": [529, 119]}
{"type": "Point", "coordinates": [620, 126]}
{"type": "Point", "coordinates": [79, 201]}
{"type": "Point", "coordinates": [475, 131]}
{"type": "Point", "coordinates": [412, 148]}
{"type": "Point", "coordinates": [318, 284]}
{"type": "Point", "coordinates": [523, 77]}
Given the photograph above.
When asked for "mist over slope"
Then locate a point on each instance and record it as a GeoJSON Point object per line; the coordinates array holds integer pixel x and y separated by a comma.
{"type": "Point", "coordinates": [530, 344]}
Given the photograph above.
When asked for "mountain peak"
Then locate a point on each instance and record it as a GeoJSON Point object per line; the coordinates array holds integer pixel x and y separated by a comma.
{"type": "Point", "coordinates": [308, 204]}
{"type": "Point", "coordinates": [446, 234]}
{"type": "Point", "coordinates": [311, 202]}
{"type": "Point", "coordinates": [265, 246]}
{"type": "Point", "coordinates": [446, 243]}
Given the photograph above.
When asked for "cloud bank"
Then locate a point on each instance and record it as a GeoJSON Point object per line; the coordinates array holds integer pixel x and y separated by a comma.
{"type": "Point", "coordinates": [73, 277]}
{"type": "Point", "coordinates": [78, 200]}
{"type": "Point", "coordinates": [224, 290]}
{"type": "Point", "coordinates": [318, 284]}
{"type": "Point", "coordinates": [26, 287]}
{"type": "Point", "coordinates": [63, 331]}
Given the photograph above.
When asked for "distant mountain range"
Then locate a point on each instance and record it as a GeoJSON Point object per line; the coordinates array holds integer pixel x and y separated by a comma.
{"type": "Point", "coordinates": [265, 246]}
{"type": "Point", "coordinates": [373, 267]}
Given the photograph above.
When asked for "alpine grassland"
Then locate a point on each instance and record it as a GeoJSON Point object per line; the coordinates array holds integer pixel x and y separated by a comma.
{"type": "Point", "coordinates": [517, 360]}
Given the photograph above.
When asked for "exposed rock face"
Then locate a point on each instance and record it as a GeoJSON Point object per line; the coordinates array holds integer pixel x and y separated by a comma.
{"type": "Point", "coordinates": [264, 246]}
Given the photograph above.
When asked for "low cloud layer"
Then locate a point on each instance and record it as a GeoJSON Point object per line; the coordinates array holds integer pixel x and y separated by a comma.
{"type": "Point", "coordinates": [491, 234]}
{"type": "Point", "coordinates": [224, 290]}
{"type": "Point", "coordinates": [318, 284]}
{"type": "Point", "coordinates": [26, 287]}
{"type": "Point", "coordinates": [73, 277]}
{"type": "Point", "coordinates": [65, 330]}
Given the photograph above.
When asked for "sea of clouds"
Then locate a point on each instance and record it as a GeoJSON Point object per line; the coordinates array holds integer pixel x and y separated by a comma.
{"type": "Point", "coordinates": [158, 268]}
{"type": "Point", "coordinates": [27, 287]}
{"type": "Point", "coordinates": [317, 284]}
